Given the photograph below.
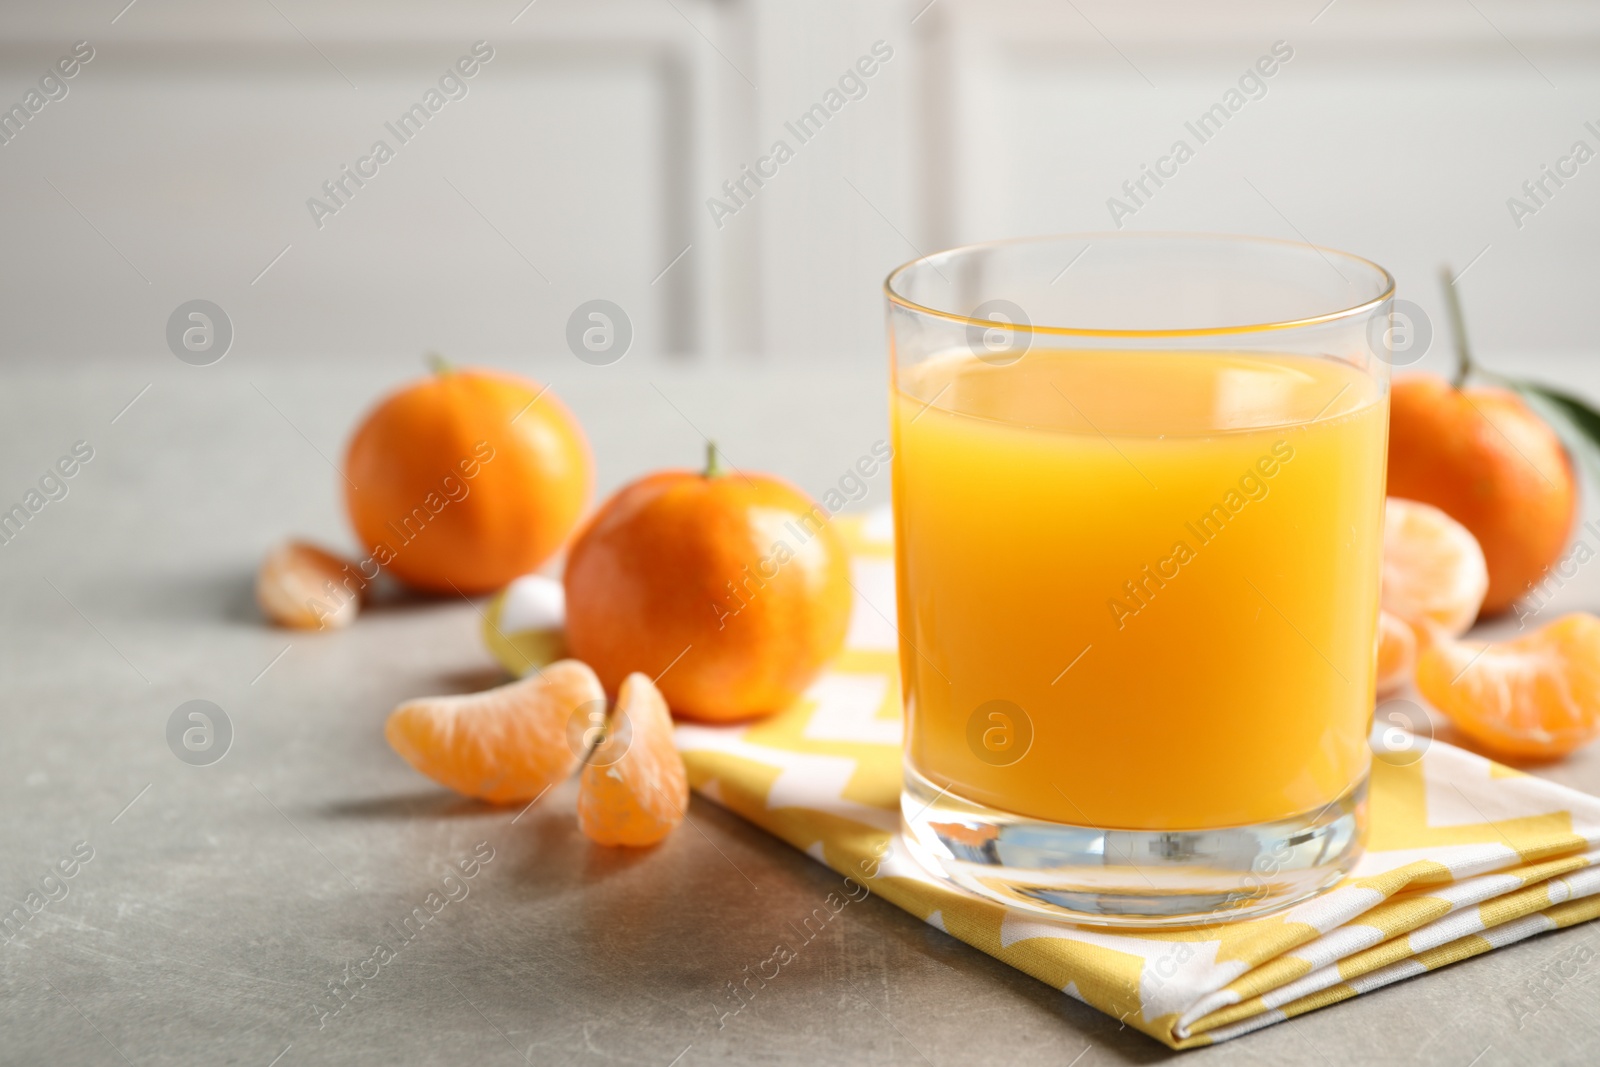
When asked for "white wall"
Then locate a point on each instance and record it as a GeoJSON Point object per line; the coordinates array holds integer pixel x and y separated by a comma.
{"type": "Point", "coordinates": [580, 163]}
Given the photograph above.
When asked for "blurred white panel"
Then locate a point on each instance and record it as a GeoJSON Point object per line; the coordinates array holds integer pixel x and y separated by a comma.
{"type": "Point", "coordinates": [845, 210]}
{"type": "Point", "coordinates": [1395, 131]}
{"type": "Point", "coordinates": [176, 168]}
{"type": "Point", "coordinates": [589, 155]}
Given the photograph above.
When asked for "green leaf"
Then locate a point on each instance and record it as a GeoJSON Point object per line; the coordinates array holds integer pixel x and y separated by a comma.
{"type": "Point", "coordinates": [1574, 419]}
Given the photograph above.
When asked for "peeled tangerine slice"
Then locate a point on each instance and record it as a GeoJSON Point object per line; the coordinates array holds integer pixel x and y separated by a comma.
{"type": "Point", "coordinates": [1397, 653]}
{"type": "Point", "coordinates": [1535, 697]}
{"type": "Point", "coordinates": [639, 798]}
{"type": "Point", "coordinates": [304, 587]}
{"type": "Point", "coordinates": [504, 745]}
{"type": "Point", "coordinates": [1434, 574]}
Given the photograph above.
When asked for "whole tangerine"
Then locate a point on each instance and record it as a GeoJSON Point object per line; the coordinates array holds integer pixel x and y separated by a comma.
{"type": "Point", "coordinates": [467, 479]}
{"type": "Point", "coordinates": [1481, 456]}
{"type": "Point", "coordinates": [731, 590]}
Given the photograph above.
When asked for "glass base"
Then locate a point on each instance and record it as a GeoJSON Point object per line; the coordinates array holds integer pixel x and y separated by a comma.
{"type": "Point", "coordinates": [1135, 878]}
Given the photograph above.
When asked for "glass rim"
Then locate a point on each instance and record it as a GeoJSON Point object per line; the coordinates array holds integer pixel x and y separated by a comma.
{"type": "Point", "coordinates": [906, 302]}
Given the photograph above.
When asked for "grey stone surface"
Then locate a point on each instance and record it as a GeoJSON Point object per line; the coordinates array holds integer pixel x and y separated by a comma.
{"type": "Point", "coordinates": [222, 900]}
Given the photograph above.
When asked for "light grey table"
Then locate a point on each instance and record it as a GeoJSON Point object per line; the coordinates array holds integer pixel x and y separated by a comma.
{"type": "Point", "coordinates": [221, 901]}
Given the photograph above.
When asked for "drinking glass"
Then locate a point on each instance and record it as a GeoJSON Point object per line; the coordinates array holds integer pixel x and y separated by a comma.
{"type": "Point", "coordinates": [1138, 502]}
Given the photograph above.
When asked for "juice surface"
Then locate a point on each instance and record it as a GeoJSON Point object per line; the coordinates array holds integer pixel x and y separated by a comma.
{"type": "Point", "coordinates": [1164, 564]}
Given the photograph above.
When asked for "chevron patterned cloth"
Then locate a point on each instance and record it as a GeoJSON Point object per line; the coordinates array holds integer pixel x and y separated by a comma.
{"type": "Point", "coordinates": [1463, 856]}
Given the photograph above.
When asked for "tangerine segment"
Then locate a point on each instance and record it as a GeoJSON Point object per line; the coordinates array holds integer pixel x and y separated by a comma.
{"type": "Point", "coordinates": [1535, 697]}
{"type": "Point", "coordinates": [639, 798]}
{"type": "Point", "coordinates": [504, 745]}
{"type": "Point", "coordinates": [305, 587]}
{"type": "Point", "coordinates": [1397, 653]}
{"type": "Point", "coordinates": [1434, 574]}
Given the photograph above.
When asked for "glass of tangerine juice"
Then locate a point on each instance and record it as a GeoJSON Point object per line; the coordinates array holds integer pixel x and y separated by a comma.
{"type": "Point", "coordinates": [1138, 501]}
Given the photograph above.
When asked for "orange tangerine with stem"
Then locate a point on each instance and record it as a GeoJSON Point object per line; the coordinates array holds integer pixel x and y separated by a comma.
{"type": "Point", "coordinates": [731, 588]}
{"type": "Point", "coordinates": [462, 481]}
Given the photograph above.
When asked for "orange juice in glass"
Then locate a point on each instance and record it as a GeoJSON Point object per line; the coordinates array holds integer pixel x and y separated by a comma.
{"type": "Point", "coordinates": [1138, 491]}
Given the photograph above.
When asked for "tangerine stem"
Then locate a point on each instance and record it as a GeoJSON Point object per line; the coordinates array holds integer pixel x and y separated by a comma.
{"type": "Point", "coordinates": [438, 364]}
{"type": "Point", "coordinates": [714, 467]}
{"type": "Point", "coordinates": [1458, 324]}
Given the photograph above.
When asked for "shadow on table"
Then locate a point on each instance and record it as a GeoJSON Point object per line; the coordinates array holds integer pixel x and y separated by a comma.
{"type": "Point", "coordinates": [192, 594]}
{"type": "Point", "coordinates": [630, 951]}
{"type": "Point", "coordinates": [803, 882]}
{"type": "Point", "coordinates": [227, 594]}
{"type": "Point", "coordinates": [470, 680]}
{"type": "Point", "coordinates": [422, 804]}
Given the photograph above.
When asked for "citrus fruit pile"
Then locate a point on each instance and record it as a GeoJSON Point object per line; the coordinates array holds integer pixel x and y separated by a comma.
{"type": "Point", "coordinates": [731, 587]}
{"type": "Point", "coordinates": [1483, 457]}
{"type": "Point", "coordinates": [718, 594]}
{"type": "Point", "coordinates": [1483, 501]}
